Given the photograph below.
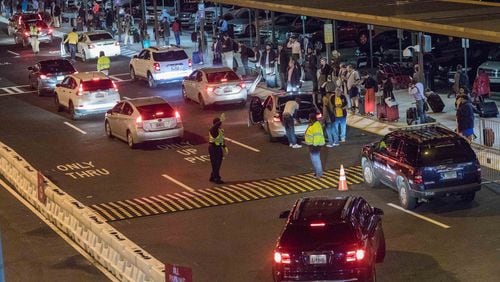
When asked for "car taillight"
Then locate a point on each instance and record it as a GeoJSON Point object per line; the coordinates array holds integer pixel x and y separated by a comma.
{"type": "Point", "coordinates": [210, 89]}
{"type": "Point", "coordinates": [282, 258]}
{"type": "Point", "coordinates": [91, 46]}
{"type": "Point", "coordinates": [19, 21]}
{"type": "Point", "coordinates": [80, 90]}
{"type": "Point", "coordinates": [317, 224]}
{"type": "Point", "coordinates": [138, 122]}
{"type": "Point", "coordinates": [276, 118]}
{"type": "Point", "coordinates": [114, 86]}
{"type": "Point", "coordinates": [50, 30]}
{"type": "Point", "coordinates": [117, 43]}
{"type": "Point", "coordinates": [357, 255]}
{"type": "Point", "coordinates": [242, 85]}
{"type": "Point", "coordinates": [27, 33]}
{"type": "Point", "coordinates": [190, 63]}
{"type": "Point", "coordinates": [178, 116]}
{"type": "Point", "coordinates": [43, 76]}
{"type": "Point", "coordinates": [417, 177]}
{"type": "Point", "coordinates": [156, 66]}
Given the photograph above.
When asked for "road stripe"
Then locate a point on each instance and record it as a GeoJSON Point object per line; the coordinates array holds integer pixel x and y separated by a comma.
{"type": "Point", "coordinates": [213, 196]}
{"type": "Point", "coordinates": [253, 190]}
{"type": "Point", "coordinates": [9, 91]}
{"type": "Point", "coordinates": [178, 182]}
{"type": "Point", "coordinates": [155, 204]}
{"type": "Point", "coordinates": [419, 216]}
{"type": "Point", "coordinates": [75, 128]}
{"type": "Point", "coordinates": [131, 208]}
{"type": "Point", "coordinates": [115, 211]}
{"type": "Point", "coordinates": [115, 78]}
{"type": "Point", "coordinates": [242, 145]}
{"type": "Point", "coordinates": [16, 90]}
{"type": "Point", "coordinates": [179, 207]}
{"type": "Point", "coordinates": [161, 202]}
{"type": "Point", "coordinates": [101, 210]}
{"type": "Point", "coordinates": [180, 201]}
{"type": "Point", "coordinates": [222, 193]}
{"type": "Point", "coordinates": [212, 202]}
{"type": "Point", "coordinates": [137, 206]}
{"type": "Point", "coordinates": [245, 191]}
{"type": "Point", "coordinates": [272, 184]}
{"type": "Point", "coordinates": [13, 53]}
{"type": "Point", "coordinates": [241, 195]}
{"type": "Point", "coordinates": [191, 196]}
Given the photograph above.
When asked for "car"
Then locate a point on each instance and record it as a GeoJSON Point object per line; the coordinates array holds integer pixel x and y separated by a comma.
{"type": "Point", "coordinates": [492, 66]}
{"type": "Point", "coordinates": [90, 44]}
{"type": "Point", "coordinates": [22, 34]}
{"type": "Point", "coordinates": [143, 119]}
{"type": "Point", "coordinates": [422, 162]}
{"type": "Point", "coordinates": [18, 20]}
{"type": "Point", "coordinates": [282, 24]}
{"type": "Point", "coordinates": [44, 75]}
{"type": "Point", "coordinates": [187, 19]}
{"type": "Point", "coordinates": [214, 85]}
{"type": "Point", "coordinates": [160, 65]}
{"type": "Point", "coordinates": [86, 93]}
{"type": "Point", "coordinates": [330, 239]}
{"type": "Point", "coordinates": [267, 112]}
{"type": "Point", "coordinates": [240, 20]}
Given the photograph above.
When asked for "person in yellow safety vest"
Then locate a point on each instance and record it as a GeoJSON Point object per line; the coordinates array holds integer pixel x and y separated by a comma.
{"type": "Point", "coordinates": [315, 138]}
{"type": "Point", "coordinates": [72, 40]}
{"type": "Point", "coordinates": [216, 146]}
{"type": "Point", "coordinates": [35, 44]}
{"type": "Point", "coordinates": [103, 63]}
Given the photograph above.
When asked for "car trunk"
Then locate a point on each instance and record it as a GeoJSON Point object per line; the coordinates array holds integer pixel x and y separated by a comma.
{"type": "Point", "coordinates": [176, 60]}
{"type": "Point", "coordinates": [99, 91]}
{"type": "Point", "coordinates": [306, 107]}
{"type": "Point", "coordinates": [157, 117]}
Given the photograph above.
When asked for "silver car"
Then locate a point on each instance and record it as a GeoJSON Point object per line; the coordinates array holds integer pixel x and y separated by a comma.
{"type": "Point", "coordinates": [143, 119]}
{"type": "Point", "coordinates": [267, 112]}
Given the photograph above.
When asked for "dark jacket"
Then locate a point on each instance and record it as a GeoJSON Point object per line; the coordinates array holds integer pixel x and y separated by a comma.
{"type": "Point", "coordinates": [465, 115]}
{"type": "Point", "coordinates": [272, 58]}
{"type": "Point", "coordinates": [370, 83]}
{"type": "Point", "coordinates": [227, 45]}
{"type": "Point", "coordinates": [326, 70]}
{"type": "Point", "coordinates": [311, 63]}
{"type": "Point", "coordinates": [245, 53]}
{"type": "Point", "coordinates": [283, 59]}
{"type": "Point", "coordinates": [387, 89]}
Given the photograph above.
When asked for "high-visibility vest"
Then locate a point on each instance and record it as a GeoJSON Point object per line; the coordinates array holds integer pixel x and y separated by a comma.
{"type": "Point", "coordinates": [103, 63]}
{"type": "Point", "coordinates": [218, 140]}
{"type": "Point", "coordinates": [33, 31]}
{"type": "Point", "coordinates": [314, 135]}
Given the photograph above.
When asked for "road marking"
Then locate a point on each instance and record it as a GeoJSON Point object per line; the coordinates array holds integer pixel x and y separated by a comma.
{"type": "Point", "coordinates": [178, 183]}
{"type": "Point", "coordinates": [242, 145]}
{"type": "Point", "coordinates": [11, 94]}
{"type": "Point", "coordinates": [115, 78]}
{"type": "Point", "coordinates": [65, 237]}
{"type": "Point", "coordinates": [13, 53]}
{"type": "Point", "coordinates": [126, 98]}
{"type": "Point", "coordinates": [9, 91]}
{"type": "Point", "coordinates": [15, 89]}
{"type": "Point", "coordinates": [419, 216]}
{"type": "Point", "coordinates": [75, 128]}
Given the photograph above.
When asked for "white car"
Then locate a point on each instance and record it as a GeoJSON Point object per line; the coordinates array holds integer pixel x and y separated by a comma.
{"type": "Point", "coordinates": [143, 119]}
{"type": "Point", "coordinates": [86, 93]}
{"type": "Point", "coordinates": [160, 65]}
{"type": "Point", "coordinates": [90, 45]}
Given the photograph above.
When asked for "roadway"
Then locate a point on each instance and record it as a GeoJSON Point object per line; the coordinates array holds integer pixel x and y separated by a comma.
{"type": "Point", "coordinates": [159, 195]}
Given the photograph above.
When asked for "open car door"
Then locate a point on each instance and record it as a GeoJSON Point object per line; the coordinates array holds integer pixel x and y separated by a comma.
{"type": "Point", "coordinates": [252, 80]}
{"type": "Point", "coordinates": [64, 47]}
{"type": "Point", "coordinates": [255, 111]}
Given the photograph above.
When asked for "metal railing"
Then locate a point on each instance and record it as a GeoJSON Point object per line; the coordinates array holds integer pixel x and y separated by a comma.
{"type": "Point", "coordinates": [487, 147]}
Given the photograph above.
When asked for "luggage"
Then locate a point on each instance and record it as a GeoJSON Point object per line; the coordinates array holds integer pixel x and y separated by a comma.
{"type": "Point", "coordinates": [197, 57]}
{"type": "Point", "coordinates": [488, 109]}
{"type": "Point", "coordinates": [435, 102]}
{"type": "Point", "coordinates": [488, 137]}
{"type": "Point", "coordinates": [381, 111]}
{"type": "Point", "coordinates": [271, 81]}
{"type": "Point", "coordinates": [387, 113]}
{"type": "Point", "coordinates": [411, 115]}
{"type": "Point", "coordinates": [361, 102]}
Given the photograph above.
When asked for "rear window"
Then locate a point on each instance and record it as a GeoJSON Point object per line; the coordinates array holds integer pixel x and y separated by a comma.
{"type": "Point", "coordinates": [95, 85]}
{"type": "Point", "coordinates": [301, 236]}
{"type": "Point", "coordinates": [446, 151]}
{"type": "Point", "coordinates": [100, 36]}
{"type": "Point", "coordinates": [38, 24]}
{"type": "Point", "coordinates": [31, 17]}
{"type": "Point", "coordinates": [170, 56]}
{"type": "Point", "coordinates": [222, 76]}
{"type": "Point", "coordinates": [327, 210]}
{"type": "Point", "coordinates": [57, 66]}
{"type": "Point", "coordinates": [155, 111]}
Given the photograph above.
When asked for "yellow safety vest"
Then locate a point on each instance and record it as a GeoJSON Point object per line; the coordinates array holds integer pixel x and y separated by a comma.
{"type": "Point", "coordinates": [103, 63]}
{"type": "Point", "coordinates": [219, 140]}
{"type": "Point", "coordinates": [33, 31]}
{"type": "Point", "coordinates": [314, 134]}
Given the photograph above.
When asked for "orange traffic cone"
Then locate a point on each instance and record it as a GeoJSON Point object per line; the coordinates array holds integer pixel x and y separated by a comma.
{"type": "Point", "coordinates": [342, 180]}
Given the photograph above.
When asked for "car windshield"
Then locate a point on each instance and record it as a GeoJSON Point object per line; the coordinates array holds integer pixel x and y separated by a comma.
{"type": "Point", "coordinates": [155, 111]}
{"type": "Point", "coordinates": [38, 23]}
{"type": "Point", "coordinates": [100, 36]}
{"type": "Point", "coordinates": [446, 151]}
{"type": "Point", "coordinates": [170, 56]}
{"type": "Point", "coordinates": [98, 84]}
{"type": "Point", "coordinates": [222, 76]}
{"type": "Point", "coordinates": [31, 17]}
{"type": "Point", "coordinates": [56, 66]}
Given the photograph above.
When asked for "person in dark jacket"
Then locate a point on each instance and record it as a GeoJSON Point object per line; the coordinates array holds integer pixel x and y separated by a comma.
{"type": "Point", "coordinates": [216, 148]}
{"type": "Point", "coordinates": [387, 88]}
{"type": "Point", "coordinates": [293, 76]}
{"type": "Point", "coordinates": [465, 117]}
{"type": "Point", "coordinates": [311, 67]}
{"type": "Point", "coordinates": [267, 59]}
{"type": "Point", "coordinates": [282, 61]}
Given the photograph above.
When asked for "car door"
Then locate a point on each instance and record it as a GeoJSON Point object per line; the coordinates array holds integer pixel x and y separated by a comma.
{"type": "Point", "coordinates": [113, 119]}
{"type": "Point", "coordinates": [188, 84]}
{"type": "Point", "coordinates": [125, 119]}
{"type": "Point", "coordinates": [142, 63]}
{"type": "Point", "coordinates": [71, 91]}
{"type": "Point", "coordinates": [199, 85]}
{"type": "Point", "coordinates": [255, 111]}
{"type": "Point", "coordinates": [368, 222]}
{"type": "Point", "coordinates": [384, 158]}
{"type": "Point", "coordinates": [62, 91]}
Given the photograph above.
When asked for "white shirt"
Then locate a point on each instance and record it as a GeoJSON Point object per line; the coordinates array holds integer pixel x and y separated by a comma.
{"type": "Point", "coordinates": [290, 107]}
{"type": "Point", "coordinates": [295, 47]}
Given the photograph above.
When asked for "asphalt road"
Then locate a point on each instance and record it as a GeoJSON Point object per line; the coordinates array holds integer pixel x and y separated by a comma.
{"type": "Point", "coordinates": [159, 195]}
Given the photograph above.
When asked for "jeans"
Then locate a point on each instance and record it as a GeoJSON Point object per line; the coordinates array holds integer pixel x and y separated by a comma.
{"type": "Point", "coordinates": [216, 156]}
{"type": "Point", "coordinates": [342, 122]}
{"type": "Point", "coordinates": [282, 76]}
{"type": "Point", "coordinates": [316, 160]}
{"type": "Point", "coordinates": [330, 133]}
{"type": "Point", "coordinates": [72, 51]}
{"type": "Point", "coordinates": [177, 36]}
{"type": "Point", "coordinates": [289, 124]}
{"type": "Point", "coordinates": [420, 111]}
{"type": "Point", "coordinates": [228, 59]}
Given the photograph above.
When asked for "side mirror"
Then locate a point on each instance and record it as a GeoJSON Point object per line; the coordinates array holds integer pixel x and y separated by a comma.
{"type": "Point", "coordinates": [378, 211]}
{"type": "Point", "coordinates": [284, 214]}
{"type": "Point", "coordinates": [109, 112]}
{"type": "Point", "coordinates": [135, 57]}
{"type": "Point", "coordinates": [30, 68]}
{"type": "Point", "coordinates": [58, 85]}
{"type": "Point", "coordinates": [186, 78]}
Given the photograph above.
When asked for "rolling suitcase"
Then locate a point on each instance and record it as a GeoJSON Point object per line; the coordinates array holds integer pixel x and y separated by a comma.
{"type": "Point", "coordinates": [197, 57]}
{"type": "Point", "coordinates": [488, 109]}
{"type": "Point", "coordinates": [435, 102]}
{"type": "Point", "coordinates": [392, 113]}
{"type": "Point", "coordinates": [381, 111]}
{"type": "Point", "coordinates": [488, 137]}
{"type": "Point", "coordinates": [411, 115]}
{"type": "Point", "coordinates": [361, 102]}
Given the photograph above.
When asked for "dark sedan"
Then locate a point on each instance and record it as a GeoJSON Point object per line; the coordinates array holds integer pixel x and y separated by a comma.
{"type": "Point", "coordinates": [44, 75]}
{"type": "Point", "coordinates": [330, 239]}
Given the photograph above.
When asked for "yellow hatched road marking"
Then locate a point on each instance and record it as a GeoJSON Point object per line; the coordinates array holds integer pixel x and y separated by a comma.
{"type": "Point", "coordinates": [287, 186]}
{"type": "Point", "coordinates": [213, 195]}
{"type": "Point", "coordinates": [267, 182]}
{"type": "Point", "coordinates": [121, 209]}
{"type": "Point", "coordinates": [294, 184]}
{"type": "Point", "coordinates": [243, 192]}
{"type": "Point", "coordinates": [249, 189]}
{"type": "Point", "coordinates": [356, 175]}
{"type": "Point", "coordinates": [306, 180]}
{"type": "Point", "coordinates": [135, 205]}
{"type": "Point", "coordinates": [180, 204]}
{"type": "Point", "coordinates": [228, 193]}
{"type": "Point", "coordinates": [105, 213]}
{"type": "Point", "coordinates": [220, 194]}
{"type": "Point", "coordinates": [164, 202]}
{"type": "Point", "coordinates": [187, 200]}
{"type": "Point", "coordinates": [212, 202]}
{"type": "Point", "coordinates": [269, 194]}
{"type": "Point", "coordinates": [129, 207]}
{"type": "Point", "coordinates": [155, 204]}
{"type": "Point", "coordinates": [265, 188]}
{"type": "Point", "coordinates": [147, 206]}
{"type": "Point", "coordinates": [191, 196]}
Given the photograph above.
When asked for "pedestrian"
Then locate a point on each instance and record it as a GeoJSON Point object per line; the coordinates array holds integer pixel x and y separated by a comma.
{"type": "Point", "coordinates": [481, 86]}
{"type": "Point", "coordinates": [314, 139]}
{"type": "Point", "coordinates": [217, 51]}
{"type": "Point", "coordinates": [57, 15]}
{"type": "Point", "coordinates": [417, 74]}
{"type": "Point", "coordinates": [267, 61]}
{"type": "Point", "coordinates": [165, 23]}
{"type": "Point", "coordinates": [289, 116]}
{"type": "Point", "coordinates": [34, 5]}
{"type": "Point", "coordinates": [327, 86]}
{"type": "Point", "coordinates": [35, 43]}
{"type": "Point", "coordinates": [329, 118]}
{"type": "Point", "coordinates": [311, 67]}
{"type": "Point", "coordinates": [223, 26]}
{"type": "Point", "coordinates": [110, 18]}
{"type": "Point", "coordinates": [72, 40]}
{"type": "Point", "coordinates": [460, 81]}
{"type": "Point", "coordinates": [340, 113]}
{"type": "Point", "coordinates": [387, 88]}
{"type": "Point", "coordinates": [342, 80]}
{"type": "Point", "coordinates": [128, 29]}
{"type": "Point", "coordinates": [83, 17]}
{"type": "Point", "coordinates": [322, 75]}
{"type": "Point", "coordinates": [216, 146]}
{"type": "Point", "coordinates": [282, 62]}
{"type": "Point", "coordinates": [103, 63]}
{"type": "Point", "coordinates": [227, 50]}
{"type": "Point", "coordinates": [353, 83]}
{"type": "Point", "coordinates": [256, 59]}
{"type": "Point", "coordinates": [245, 53]}
{"type": "Point", "coordinates": [416, 90]}
{"type": "Point", "coordinates": [176, 29]}
{"type": "Point", "coordinates": [465, 118]}
{"type": "Point", "coordinates": [293, 76]}
{"type": "Point", "coordinates": [294, 44]}
{"type": "Point", "coordinates": [95, 13]}
{"type": "Point", "coordinates": [335, 62]}
{"type": "Point", "coordinates": [24, 6]}
{"type": "Point", "coordinates": [371, 88]}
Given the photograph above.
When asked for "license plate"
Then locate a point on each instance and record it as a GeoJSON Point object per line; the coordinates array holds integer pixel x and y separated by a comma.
{"type": "Point", "coordinates": [449, 175]}
{"type": "Point", "coordinates": [317, 259]}
{"type": "Point", "coordinates": [99, 95]}
{"type": "Point", "coordinates": [227, 89]}
{"type": "Point", "coordinates": [159, 125]}
{"type": "Point", "coordinates": [174, 68]}
{"type": "Point", "coordinates": [60, 77]}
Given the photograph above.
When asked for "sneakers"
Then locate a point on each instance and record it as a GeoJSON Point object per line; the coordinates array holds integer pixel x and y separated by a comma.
{"type": "Point", "coordinates": [343, 140]}
{"type": "Point", "coordinates": [296, 146]}
{"type": "Point", "coordinates": [291, 145]}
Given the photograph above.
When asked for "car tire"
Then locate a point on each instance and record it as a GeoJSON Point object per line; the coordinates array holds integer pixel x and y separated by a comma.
{"type": "Point", "coordinates": [151, 81]}
{"type": "Point", "coordinates": [133, 77]}
{"type": "Point", "coordinates": [84, 56]}
{"type": "Point", "coordinates": [381, 248]}
{"type": "Point", "coordinates": [130, 140]}
{"type": "Point", "coordinates": [368, 174]}
{"type": "Point", "coordinates": [59, 107]}
{"type": "Point", "coordinates": [407, 202]}
{"type": "Point", "coordinates": [184, 94]}
{"type": "Point", "coordinates": [203, 106]}
{"type": "Point", "coordinates": [272, 139]}
{"type": "Point", "coordinates": [468, 197]}
{"type": "Point", "coordinates": [107, 128]}
{"type": "Point", "coordinates": [39, 91]}
{"type": "Point", "coordinates": [72, 112]}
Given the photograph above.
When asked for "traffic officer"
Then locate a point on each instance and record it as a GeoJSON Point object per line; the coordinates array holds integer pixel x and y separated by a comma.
{"type": "Point", "coordinates": [72, 39]}
{"type": "Point", "coordinates": [103, 63]}
{"type": "Point", "coordinates": [216, 146]}
{"type": "Point", "coordinates": [35, 44]}
{"type": "Point", "coordinates": [315, 138]}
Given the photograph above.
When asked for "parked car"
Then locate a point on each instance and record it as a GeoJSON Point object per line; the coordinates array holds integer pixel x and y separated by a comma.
{"type": "Point", "coordinates": [23, 32]}
{"type": "Point", "coordinates": [240, 19]}
{"type": "Point", "coordinates": [492, 66]}
{"type": "Point", "coordinates": [90, 44]}
{"type": "Point", "coordinates": [143, 119]}
{"type": "Point", "coordinates": [86, 93]}
{"type": "Point", "coordinates": [282, 25]}
{"type": "Point", "coordinates": [187, 19]}
{"type": "Point", "coordinates": [44, 75]}
{"type": "Point", "coordinates": [268, 114]}
{"type": "Point", "coordinates": [423, 162]}
{"type": "Point", "coordinates": [19, 19]}
{"type": "Point", "coordinates": [330, 239]}
{"type": "Point", "coordinates": [160, 65]}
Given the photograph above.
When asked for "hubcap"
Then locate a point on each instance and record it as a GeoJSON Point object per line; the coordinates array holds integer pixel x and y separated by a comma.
{"type": "Point", "coordinates": [130, 140]}
{"type": "Point", "coordinates": [150, 80]}
{"type": "Point", "coordinates": [108, 129]}
{"type": "Point", "coordinates": [367, 173]}
{"type": "Point", "coordinates": [402, 192]}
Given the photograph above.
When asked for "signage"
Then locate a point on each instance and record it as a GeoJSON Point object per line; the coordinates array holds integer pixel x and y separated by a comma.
{"type": "Point", "coordinates": [400, 33]}
{"type": "Point", "coordinates": [465, 43]}
{"type": "Point", "coordinates": [328, 32]}
{"type": "Point", "coordinates": [176, 273]}
{"type": "Point", "coordinates": [41, 188]}
{"type": "Point", "coordinates": [370, 27]}
{"type": "Point", "coordinates": [303, 18]}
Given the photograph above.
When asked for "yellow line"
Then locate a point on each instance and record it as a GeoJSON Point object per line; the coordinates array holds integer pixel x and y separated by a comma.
{"type": "Point", "coordinates": [267, 182]}
{"type": "Point", "coordinates": [195, 198]}
{"type": "Point", "coordinates": [187, 199]}
{"type": "Point", "coordinates": [228, 193]}
{"type": "Point", "coordinates": [113, 210]}
{"type": "Point", "coordinates": [306, 180]}
{"type": "Point", "coordinates": [104, 212]}
{"type": "Point", "coordinates": [245, 191]}
{"type": "Point", "coordinates": [183, 204]}
{"type": "Point", "coordinates": [269, 194]}
{"type": "Point", "coordinates": [218, 200]}
{"type": "Point", "coordinates": [296, 184]}
{"type": "Point", "coordinates": [135, 205]}
{"type": "Point", "coordinates": [251, 189]}
{"type": "Point", "coordinates": [146, 206]}
{"type": "Point", "coordinates": [314, 180]}
{"type": "Point", "coordinates": [355, 175]}
{"type": "Point", "coordinates": [212, 202]}
{"type": "Point", "coordinates": [286, 186]}
{"type": "Point", "coordinates": [163, 202]}
{"type": "Point", "coordinates": [229, 201]}
{"type": "Point", "coordinates": [121, 209]}
{"type": "Point", "coordinates": [234, 190]}
{"type": "Point", "coordinates": [155, 204]}
{"type": "Point", "coordinates": [265, 188]}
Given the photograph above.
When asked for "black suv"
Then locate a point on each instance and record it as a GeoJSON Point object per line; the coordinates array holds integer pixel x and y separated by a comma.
{"type": "Point", "coordinates": [423, 162]}
{"type": "Point", "coordinates": [330, 239]}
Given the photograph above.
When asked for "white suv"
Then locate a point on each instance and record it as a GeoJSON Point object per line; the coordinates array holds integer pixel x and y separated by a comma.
{"type": "Point", "coordinates": [160, 65]}
{"type": "Point", "coordinates": [86, 93]}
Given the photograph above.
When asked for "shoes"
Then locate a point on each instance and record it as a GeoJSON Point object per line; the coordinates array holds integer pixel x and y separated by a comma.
{"type": "Point", "coordinates": [329, 145]}
{"type": "Point", "coordinates": [296, 146]}
{"type": "Point", "coordinates": [216, 181]}
{"type": "Point", "coordinates": [343, 140]}
{"type": "Point", "coordinates": [291, 145]}
{"type": "Point", "coordinates": [335, 144]}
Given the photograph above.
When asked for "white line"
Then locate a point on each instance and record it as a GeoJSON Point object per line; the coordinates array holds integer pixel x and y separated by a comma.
{"type": "Point", "coordinates": [125, 98]}
{"type": "Point", "coordinates": [11, 94]}
{"type": "Point", "coordinates": [58, 232]}
{"type": "Point", "coordinates": [15, 89]}
{"type": "Point", "coordinates": [419, 216]}
{"type": "Point", "coordinates": [75, 128]}
{"type": "Point", "coordinates": [178, 183]}
{"type": "Point", "coordinates": [242, 145]}
{"type": "Point", "coordinates": [26, 85]}
{"type": "Point", "coordinates": [10, 91]}
{"type": "Point", "coordinates": [13, 53]}
{"type": "Point", "coordinates": [120, 74]}
{"type": "Point", "coordinates": [115, 78]}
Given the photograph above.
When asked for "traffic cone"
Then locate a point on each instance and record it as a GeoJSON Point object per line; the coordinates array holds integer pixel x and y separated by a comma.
{"type": "Point", "coordinates": [342, 180]}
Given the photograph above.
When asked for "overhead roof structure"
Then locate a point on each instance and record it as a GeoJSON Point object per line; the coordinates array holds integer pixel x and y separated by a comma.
{"type": "Point", "coordinates": [459, 18]}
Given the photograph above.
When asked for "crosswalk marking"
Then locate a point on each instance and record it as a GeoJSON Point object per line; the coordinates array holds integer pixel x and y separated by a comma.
{"type": "Point", "coordinates": [224, 195]}
{"type": "Point", "coordinates": [15, 90]}
{"type": "Point", "coordinates": [124, 51]}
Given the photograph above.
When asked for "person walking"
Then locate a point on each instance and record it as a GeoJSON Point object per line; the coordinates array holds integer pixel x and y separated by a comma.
{"type": "Point", "coordinates": [311, 67]}
{"type": "Point", "coordinates": [216, 146]}
{"type": "Point", "coordinates": [465, 118]}
{"type": "Point", "coordinates": [371, 88]}
{"type": "Point", "coordinates": [165, 23]}
{"type": "Point", "coordinates": [103, 63]}
{"type": "Point", "coordinates": [72, 40]}
{"type": "Point", "coordinates": [353, 82]}
{"type": "Point", "coordinates": [35, 43]}
{"type": "Point", "coordinates": [176, 29]}
{"type": "Point", "coordinates": [282, 61]}
{"type": "Point", "coordinates": [227, 50]}
{"type": "Point", "coordinates": [328, 118]}
{"type": "Point", "coordinates": [339, 102]}
{"type": "Point", "coordinates": [293, 76]}
{"type": "Point", "coordinates": [460, 81]}
{"type": "Point", "coordinates": [217, 51]}
{"type": "Point", "coordinates": [128, 29]}
{"type": "Point", "coordinates": [24, 6]}
{"type": "Point", "coordinates": [110, 18]}
{"type": "Point", "coordinates": [245, 53]}
{"type": "Point", "coordinates": [417, 91]}
{"type": "Point", "coordinates": [481, 86]}
{"type": "Point", "coordinates": [314, 139]}
{"type": "Point", "coordinates": [294, 44]}
{"type": "Point", "coordinates": [289, 115]}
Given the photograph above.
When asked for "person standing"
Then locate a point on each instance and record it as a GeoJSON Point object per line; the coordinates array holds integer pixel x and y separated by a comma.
{"type": "Point", "coordinates": [417, 91]}
{"type": "Point", "coordinates": [34, 5]}
{"type": "Point", "coordinates": [245, 53]}
{"type": "Point", "coordinates": [176, 29]}
{"type": "Point", "coordinates": [339, 102]}
{"type": "Point", "coordinates": [35, 44]}
{"type": "Point", "coordinates": [371, 88]}
{"type": "Point", "coordinates": [296, 50]}
{"type": "Point", "coordinates": [465, 118]}
{"type": "Point", "coordinates": [282, 61]}
{"type": "Point", "coordinates": [24, 6]}
{"type": "Point", "coordinates": [217, 51]}
{"type": "Point", "coordinates": [328, 118]}
{"type": "Point", "coordinates": [481, 86]}
{"type": "Point", "coordinates": [216, 146]}
{"type": "Point", "coordinates": [267, 63]}
{"type": "Point", "coordinates": [165, 22]}
{"type": "Point", "coordinates": [353, 82]}
{"type": "Point", "coordinates": [110, 18]}
{"type": "Point", "coordinates": [314, 139]}
{"type": "Point", "coordinates": [57, 15]}
{"type": "Point", "coordinates": [293, 76]}
{"type": "Point", "coordinates": [342, 79]}
{"type": "Point", "coordinates": [223, 26]}
{"type": "Point", "coordinates": [311, 67]}
{"type": "Point", "coordinates": [72, 40]}
{"type": "Point", "coordinates": [289, 115]}
{"type": "Point", "coordinates": [227, 50]}
{"type": "Point", "coordinates": [460, 81]}
{"type": "Point", "coordinates": [128, 29]}
{"type": "Point", "coordinates": [103, 63]}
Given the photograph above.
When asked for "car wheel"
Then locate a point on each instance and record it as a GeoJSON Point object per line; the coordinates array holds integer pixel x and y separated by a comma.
{"type": "Point", "coordinates": [407, 202]}
{"type": "Point", "coordinates": [271, 137]}
{"type": "Point", "coordinates": [151, 81]}
{"type": "Point", "coordinates": [58, 105]}
{"type": "Point", "coordinates": [107, 127]}
{"type": "Point", "coordinates": [132, 74]}
{"type": "Point", "coordinates": [203, 106]}
{"type": "Point", "coordinates": [468, 197]}
{"type": "Point", "coordinates": [381, 248]}
{"type": "Point", "coordinates": [84, 56]}
{"type": "Point", "coordinates": [72, 112]}
{"type": "Point", "coordinates": [368, 175]}
{"type": "Point", "coordinates": [130, 140]}
{"type": "Point", "coordinates": [184, 94]}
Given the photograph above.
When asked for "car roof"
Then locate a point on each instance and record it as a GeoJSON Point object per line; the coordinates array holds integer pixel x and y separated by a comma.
{"type": "Point", "coordinates": [164, 48]}
{"type": "Point", "coordinates": [327, 209]}
{"type": "Point", "coordinates": [215, 69]}
{"type": "Point", "coordinates": [142, 101]}
{"type": "Point", "coordinates": [90, 75]}
{"type": "Point", "coordinates": [425, 133]}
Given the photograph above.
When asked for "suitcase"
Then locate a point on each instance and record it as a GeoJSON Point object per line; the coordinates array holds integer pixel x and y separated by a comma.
{"type": "Point", "coordinates": [381, 111]}
{"type": "Point", "coordinates": [392, 113]}
{"type": "Point", "coordinates": [435, 103]}
{"type": "Point", "coordinates": [488, 109]}
{"type": "Point", "coordinates": [271, 80]}
{"type": "Point", "coordinates": [197, 57]}
{"type": "Point", "coordinates": [361, 102]}
{"type": "Point", "coordinates": [411, 115]}
{"type": "Point", "coordinates": [488, 137]}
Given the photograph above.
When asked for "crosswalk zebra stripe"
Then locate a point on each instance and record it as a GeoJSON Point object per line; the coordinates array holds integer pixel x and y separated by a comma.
{"type": "Point", "coordinates": [252, 190]}
{"type": "Point", "coordinates": [138, 206]}
{"type": "Point", "coordinates": [9, 91]}
{"type": "Point", "coordinates": [16, 89]}
{"type": "Point", "coordinates": [121, 209]}
{"type": "Point", "coordinates": [131, 207]}
{"type": "Point", "coordinates": [102, 210]}
{"type": "Point", "coordinates": [208, 199]}
{"type": "Point", "coordinates": [197, 199]}
{"type": "Point", "coordinates": [235, 189]}
{"type": "Point", "coordinates": [265, 193]}
{"type": "Point", "coordinates": [213, 196]}
{"type": "Point", "coordinates": [181, 202]}
{"type": "Point", "coordinates": [156, 205]}
{"type": "Point", "coordinates": [272, 191]}
{"type": "Point", "coordinates": [160, 203]}
{"type": "Point", "coordinates": [171, 202]}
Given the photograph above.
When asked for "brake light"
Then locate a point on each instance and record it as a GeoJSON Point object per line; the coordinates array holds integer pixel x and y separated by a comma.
{"type": "Point", "coordinates": [117, 43]}
{"type": "Point", "coordinates": [39, 29]}
{"type": "Point", "coordinates": [43, 76]}
{"type": "Point", "coordinates": [91, 46]}
{"type": "Point", "coordinates": [190, 63]}
{"type": "Point", "coordinates": [27, 33]}
{"type": "Point", "coordinates": [80, 90]}
{"type": "Point", "coordinates": [138, 122]}
{"type": "Point", "coordinates": [357, 255]}
{"type": "Point", "coordinates": [95, 78]}
{"type": "Point", "coordinates": [158, 114]}
{"type": "Point", "coordinates": [317, 224]}
{"type": "Point", "coordinates": [178, 116]}
{"type": "Point", "coordinates": [242, 85]}
{"type": "Point", "coordinates": [276, 118]}
{"type": "Point", "coordinates": [282, 258]}
{"type": "Point", "coordinates": [417, 177]}
{"type": "Point", "coordinates": [156, 66]}
{"type": "Point", "coordinates": [210, 89]}
{"type": "Point", "coordinates": [19, 21]}
{"type": "Point", "coordinates": [223, 80]}
{"type": "Point", "coordinates": [50, 30]}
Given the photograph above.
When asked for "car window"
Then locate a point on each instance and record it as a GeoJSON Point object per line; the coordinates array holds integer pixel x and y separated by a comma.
{"type": "Point", "coordinates": [222, 76]}
{"type": "Point", "coordinates": [193, 75]}
{"type": "Point", "coordinates": [170, 56]}
{"type": "Point", "coordinates": [390, 145]}
{"type": "Point", "coordinates": [117, 108]}
{"type": "Point", "coordinates": [81, 38]}
{"type": "Point", "coordinates": [98, 84]}
{"type": "Point", "coordinates": [199, 76]}
{"type": "Point", "coordinates": [446, 151]}
{"type": "Point", "coordinates": [154, 111]}
{"type": "Point", "coordinates": [55, 66]}
{"type": "Point", "coordinates": [494, 54]}
{"type": "Point", "coordinates": [100, 36]}
{"type": "Point", "coordinates": [141, 55]}
{"type": "Point", "coordinates": [72, 83]}
{"type": "Point", "coordinates": [66, 81]}
{"type": "Point", "coordinates": [147, 55]}
{"type": "Point", "coordinates": [409, 153]}
{"type": "Point", "coordinates": [363, 214]}
{"type": "Point", "coordinates": [127, 109]}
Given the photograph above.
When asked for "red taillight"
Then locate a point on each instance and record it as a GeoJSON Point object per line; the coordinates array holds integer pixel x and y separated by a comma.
{"type": "Point", "coordinates": [117, 43]}
{"type": "Point", "coordinates": [317, 224]}
{"type": "Point", "coordinates": [355, 255]}
{"type": "Point", "coordinates": [417, 177]}
{"type": "Point", "coordinates": [138, 122]}
{"type": "Point", "coordinates": [190, 63]}
{"type": "Point", "coordinates": [91, 46]}
{"type": "Point", "coordinates": [27, 33]}
{"type": "Point", "coordinates": [178, 116]}
{"type": "Point", "coordinates": [156, 66]}
{"type": "Point", "coordinates": [43, 76]}
{"type": "Point", "coordinates": [223, 80]}
{"type": "Point", "coordinates": [210, 89]}
{"type": "Point", "coordinates": [276, 118]}
{"type": "Point", "coordinates": [114, 85]}
{"type": "Point", "coordinates": [158, 114]}
{"type": "Point", "coordinates": [50, 30]}
{"type": "Point", "coordinates": [80, 90]}
{"type": "Point", "coordinates": [282, 258]}
{"type": "Point", "coordinates": [96, 78]}
{"type": "Point", "coordinates": [242, 85]}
